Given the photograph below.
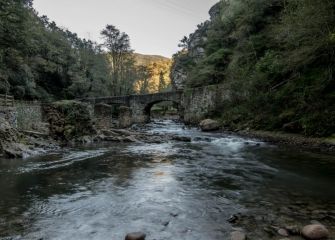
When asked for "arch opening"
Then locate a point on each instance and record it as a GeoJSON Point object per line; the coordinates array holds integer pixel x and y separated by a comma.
{"type": "Point", "coordinates": [163, 109]}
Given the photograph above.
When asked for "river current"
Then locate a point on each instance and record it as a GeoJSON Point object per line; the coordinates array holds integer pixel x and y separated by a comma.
{"type": "Point", "coordinates": [174, 190]}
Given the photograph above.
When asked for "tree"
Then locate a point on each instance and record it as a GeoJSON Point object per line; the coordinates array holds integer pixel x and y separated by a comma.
{"type": "Point", "coordinates": [13, 31]}
{"type": "Point", "coordinates": [184, 43]}
{"type": "Point", "coordinates": [276, 58]}
{"type": "Point", "coordinates": [162, 83]}
{"type": "Point", "coordinates": [39, 60]}
{"type": "Point", "coordinates": [120, 56]}
{"type": "Point", "coordinates": [144, 75]}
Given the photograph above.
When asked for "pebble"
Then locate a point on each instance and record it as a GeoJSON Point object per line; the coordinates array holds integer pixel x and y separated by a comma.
{"type": "Point", "coordinates": [315, 231]}
{"type": "Point", "coordinates": [283, 232]}
{"type": "Point", "coordinates": [174, 214]}
{"type": "Point", "coordinates": [237, 235]}
{"type": "Point", "coordinates": [135, 236]}
{"type": "Point", "coordinates": [233, 219]}
{"type": "Point", "coordinates": [294, 230]}
{"type": "Point", "coordinates": [237, 229]}
{"type": "Point", "coordinates": [182, 139]}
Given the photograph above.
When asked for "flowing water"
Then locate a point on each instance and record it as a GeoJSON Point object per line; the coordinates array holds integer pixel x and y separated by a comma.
{"type": "Point", "coordinates": [172, 190]}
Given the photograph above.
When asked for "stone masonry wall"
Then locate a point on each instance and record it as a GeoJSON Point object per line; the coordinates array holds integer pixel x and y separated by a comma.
{"type": "Point", "coordinates": [103, 116]}
{"type": "Point", "coordinates": [29, 115]}
{"type": "Point", "coordinates": [200, 103]}
{"type": "Point", "coordinates": [10, 115]}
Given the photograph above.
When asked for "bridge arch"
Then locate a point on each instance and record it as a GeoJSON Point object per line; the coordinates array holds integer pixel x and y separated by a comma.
{"type": "Point", "coordinates": [142, 104]}
{"type": "Point", "coordinates": [147, 109]}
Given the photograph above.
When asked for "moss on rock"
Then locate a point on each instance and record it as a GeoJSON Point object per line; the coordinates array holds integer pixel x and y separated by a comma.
{"type": "Point", "coordinates": [69, 120]}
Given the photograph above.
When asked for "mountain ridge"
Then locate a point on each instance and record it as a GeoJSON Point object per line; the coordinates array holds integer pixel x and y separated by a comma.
{"type": "Point", "coordinates": [145, 59]}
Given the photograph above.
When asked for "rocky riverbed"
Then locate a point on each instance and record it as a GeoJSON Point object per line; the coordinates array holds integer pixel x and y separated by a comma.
{"type": "Point", "coordinates": [16, 144]}
{"type": "Point", "coordinates": [168, 181]}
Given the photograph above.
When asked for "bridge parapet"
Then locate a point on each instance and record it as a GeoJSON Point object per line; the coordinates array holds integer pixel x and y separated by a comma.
{"type": "Point", "coordinates": [108, 100]}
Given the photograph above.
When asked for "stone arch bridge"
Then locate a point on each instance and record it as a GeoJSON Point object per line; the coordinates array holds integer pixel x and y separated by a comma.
{"type": "Point", "coordinates": [139, 105]}
{"type": "Point", "coordinates": [193, 104]}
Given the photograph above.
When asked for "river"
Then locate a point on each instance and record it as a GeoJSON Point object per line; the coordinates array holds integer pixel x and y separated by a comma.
{"type": "Point", "coordinates": [172, 190]}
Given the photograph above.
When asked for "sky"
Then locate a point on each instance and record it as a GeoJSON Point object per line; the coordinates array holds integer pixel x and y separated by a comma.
{"type": "Point", "coordinates": [154, 26]}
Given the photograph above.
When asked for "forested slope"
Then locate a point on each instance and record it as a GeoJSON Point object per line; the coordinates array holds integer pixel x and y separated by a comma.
{"type": "Point", "coordinates": [275, 56]}
{"type": "Point", "coordinates": [39, 60]}
{"type": "Point", "coordinates": [156, 77]}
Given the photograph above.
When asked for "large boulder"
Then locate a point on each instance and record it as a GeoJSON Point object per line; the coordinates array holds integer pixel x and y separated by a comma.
{"type": "Point", "coordinates": [7, 132]}
{"type": "Point", "coordinates": [14, 144]}
{"type": "Point", "coordinates": [8, 136]}
{"type": "Point", "coordinates": [69, 120]}
{"type": "Point", "coordinates": [315, 231]}
{"type": "Point", "coordinates": [209, 125]}
{"type": "Point", "coordinates": [17, 150]}
{"type": "Point", "coordinates": [10, 139]}
{"type": "Point", "coordinates": [292, 127]}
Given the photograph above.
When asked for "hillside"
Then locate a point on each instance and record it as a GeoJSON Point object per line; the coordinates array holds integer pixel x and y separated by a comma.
{"type": "Point", "coordinates": [275, 57]}
{"type": "Point", "coordinates": [40, 60]}
{"type": "Point", "coordinates": [157, 73]}
{"type": "Point", "coordinates": [142, 59]}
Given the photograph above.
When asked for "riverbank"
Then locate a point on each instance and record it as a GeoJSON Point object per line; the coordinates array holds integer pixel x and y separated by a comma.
{"type": "Point", "coordinates": [326, 145]}
{"type": "Point", "coordinates": [15, 143]}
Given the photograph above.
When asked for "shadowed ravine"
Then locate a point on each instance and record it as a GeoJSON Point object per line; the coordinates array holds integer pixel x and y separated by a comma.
{"type": "Point", "coordinates": [169, 191]}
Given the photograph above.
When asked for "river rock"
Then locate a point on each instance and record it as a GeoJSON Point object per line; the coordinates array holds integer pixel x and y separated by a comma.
{"type": "Point", "coordinates": [7, 132]}
{"type": "Point", "coordinates": [315, 231]}
{"type": "Point", "coordinates": [283, 232]}
{"type": "Point", "coordinates": [135, 236]}
{"type": "Point", "coordinates": [9, 141]}
{"type": "Point", "coordinates": [238, 235]}
{"type": "Point", "coordinates": [292, 127]}
{"type": "Point", "coordinates": [85, 139]}
{"type": "Point", "coordinates": [181, 138]}
{"type": "Point", "coordinates": [233, 218]}
{"type": "Point", "coordinates": [292, 229]}
{"type": "Point", "coordinates": [209, 125]}
{"type": "Point", "coordinates": [130, 139]}
{"type": "Point", "coordinates": [16, 150]}
{"type": "Point", "coordinates": [202, 139]}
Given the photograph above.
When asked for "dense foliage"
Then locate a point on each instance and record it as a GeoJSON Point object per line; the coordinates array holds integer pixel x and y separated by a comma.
{"type": "Point", "coordinates": [39, 60]}
{"type": "Point", "coordinates": [277, 59]}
